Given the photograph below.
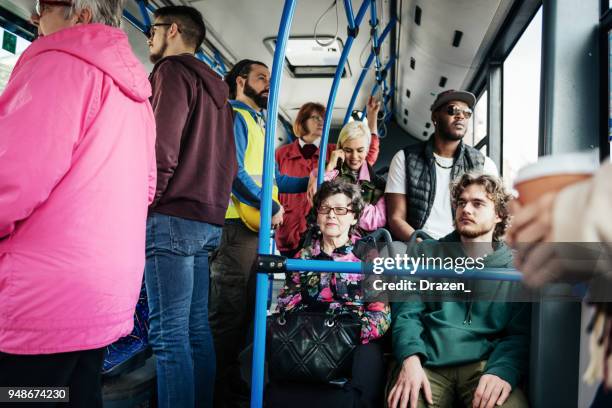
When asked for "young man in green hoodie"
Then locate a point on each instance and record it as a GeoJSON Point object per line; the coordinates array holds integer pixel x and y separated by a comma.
{"type": "Point", "coordinates": [463, 352]}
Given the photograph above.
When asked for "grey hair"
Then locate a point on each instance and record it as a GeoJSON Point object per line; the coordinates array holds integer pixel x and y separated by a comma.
{"type": "Point", "coordinates": [107, 12]}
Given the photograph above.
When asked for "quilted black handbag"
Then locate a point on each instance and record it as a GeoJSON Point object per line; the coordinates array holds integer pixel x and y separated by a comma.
{"type": "Point", "coordinates": [312, 346]}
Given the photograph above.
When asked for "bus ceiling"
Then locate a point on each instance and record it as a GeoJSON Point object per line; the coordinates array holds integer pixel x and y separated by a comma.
{"type": "Point", "coordinates": [434, 45]}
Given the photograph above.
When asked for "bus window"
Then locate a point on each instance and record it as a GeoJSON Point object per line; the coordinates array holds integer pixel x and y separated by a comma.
{"type": "Point", "coordinates": [12, 47]}
{"type": "Point", "coordinates": [478, 127]}
{"type": "Point", "coordinates": [610, 87]}
{"type": "Point", "coordinates": [521, 101]}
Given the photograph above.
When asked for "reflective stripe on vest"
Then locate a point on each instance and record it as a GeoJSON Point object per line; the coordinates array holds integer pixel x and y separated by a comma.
{"type": "Point", "coordinates": [253, 156]}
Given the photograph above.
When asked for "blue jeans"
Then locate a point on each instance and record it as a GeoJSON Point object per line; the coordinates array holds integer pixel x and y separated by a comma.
{"type": "Point", "coordinates": [177, 280]}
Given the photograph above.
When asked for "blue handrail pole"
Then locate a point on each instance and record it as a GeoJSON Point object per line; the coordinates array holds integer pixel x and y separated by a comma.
{"type": "Point", "coordinates": [208, 61]}
{"type": "Point", "coordinates": [144, 12]}
{"type": "Point", "coordinates": [358, 86]}
{"type": "Point", "coordinates": [353, 23]}
{"type": "Point", "coordinates": [134, 21]}
{"type": "Point", "coordinates": [220, 62]}
{"type": "Point", "coordinates": [259, 341]}
{"type": "Point", "coordinates": [364, 71]}
{"type": "Point", "coordinates": [389, 64]}
{"type": "Point", "coordinates": [377, 85]}
{"type": "Point", "coordinates": [374, 34]}
{"type": "Point", "coordinates": [389, 113]}
{"type": "Point", "coordinates": [150, 7]}
{"type": "Point", "coordinates": [387, 69]}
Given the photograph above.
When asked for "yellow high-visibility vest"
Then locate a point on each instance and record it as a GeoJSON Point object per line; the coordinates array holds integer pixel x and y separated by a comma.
{"type": "Point", "coordinates": [253, 165]}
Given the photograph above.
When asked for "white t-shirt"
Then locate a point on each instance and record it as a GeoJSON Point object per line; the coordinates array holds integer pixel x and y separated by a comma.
{"type": "Point", "coordinates": [440, 221]}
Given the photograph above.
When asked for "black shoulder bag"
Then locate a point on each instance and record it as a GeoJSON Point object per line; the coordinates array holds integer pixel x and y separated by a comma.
{"type": "Point", "coordinates": [309, 346]}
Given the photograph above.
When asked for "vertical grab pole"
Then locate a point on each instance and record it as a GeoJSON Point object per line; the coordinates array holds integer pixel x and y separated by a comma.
{"type": "Point", "coordinates": [259, 341]}
{"type": "Point", "coordinates": [365, 69]}
{"type": "Point", "coordinates": [377, 85]}
{"type": "Point", "coordinates": [353, 24]}
{"type": "Point", "coordinates": [144, 12]}
{"type": "Point", "coordinates": [374, 35]}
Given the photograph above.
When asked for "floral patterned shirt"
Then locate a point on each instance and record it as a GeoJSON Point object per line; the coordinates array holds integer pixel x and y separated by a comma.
{"type": "Point", "coordinates": [334, 292]}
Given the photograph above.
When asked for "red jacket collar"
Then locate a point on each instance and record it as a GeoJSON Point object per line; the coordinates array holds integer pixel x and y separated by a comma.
{"type": "Point", "coordinates": [293, 151]}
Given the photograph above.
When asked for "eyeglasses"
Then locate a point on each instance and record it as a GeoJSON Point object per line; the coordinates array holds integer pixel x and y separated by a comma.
{"type": "Point", "coordinates": [316, 118]}
{"type": "Point", "coordinates": [337, 210]}
{"type": "Point", "coordinates": [453, 110]}
{"type": "Point", "coordinates": [40, 5]}
{"type": "Point", "coordinates": [151, 32]}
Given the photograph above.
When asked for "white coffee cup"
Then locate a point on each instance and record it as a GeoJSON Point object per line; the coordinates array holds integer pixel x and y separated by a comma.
{"type": "Point", "coordinates": [553, 173]}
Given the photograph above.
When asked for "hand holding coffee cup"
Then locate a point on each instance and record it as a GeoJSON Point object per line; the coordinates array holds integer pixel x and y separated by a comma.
{"type": "Point", "coordinates": [551, 174]}
{"type": "Point", "coordinates": [533, 212]}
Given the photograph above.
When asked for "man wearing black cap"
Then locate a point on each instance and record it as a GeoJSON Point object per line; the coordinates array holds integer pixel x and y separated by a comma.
{"type": "Point", "coordinates": [417, 193]}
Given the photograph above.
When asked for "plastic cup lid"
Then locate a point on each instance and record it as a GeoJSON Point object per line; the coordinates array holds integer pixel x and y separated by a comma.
{"type": "Point", "coordinates": [558, 164]}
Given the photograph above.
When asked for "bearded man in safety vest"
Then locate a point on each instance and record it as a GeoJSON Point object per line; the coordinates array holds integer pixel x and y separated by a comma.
{"type": "Point", "coordinates": [232, 295]}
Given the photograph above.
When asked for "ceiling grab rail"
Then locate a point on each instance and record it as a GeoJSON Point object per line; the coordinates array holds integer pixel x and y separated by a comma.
{"type": "Point", "coordinates": [133, 20]}
{"type": "Point", "coordinates": [143, 27]}
{"type": "Point", "coordinates": [377, 85]}
{"type": "Point", "coordinates": [375, 41]}
{"type": "Point", "coordinates": [143, 11]}
{"type": "Point", "coordinates": [210, 62]}
{"type": "Point", "coordinates": [353, 30]}
{"type": "Point", "coordinates": [364, 71]}
{"type": "Point", "coordinates": [220, 63]}
{"type": "Point", "coordinates": [259, 340]}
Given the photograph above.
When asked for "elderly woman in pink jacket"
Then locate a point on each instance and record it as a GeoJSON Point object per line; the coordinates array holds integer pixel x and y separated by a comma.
{"type": "Point", "coordinates": [77, 172]}
{"type": "Point", "coordinates": [348, 162]}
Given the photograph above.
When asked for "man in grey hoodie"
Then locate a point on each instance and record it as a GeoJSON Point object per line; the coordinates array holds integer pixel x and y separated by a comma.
{"type": "Point", "coordinates": [196, 164]}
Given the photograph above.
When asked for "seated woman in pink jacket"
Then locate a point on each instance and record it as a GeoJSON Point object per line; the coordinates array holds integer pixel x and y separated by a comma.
{"type": "Point", "coordinates": [349, 163]}
{"type": "Point", "coordinates": [337, 206]}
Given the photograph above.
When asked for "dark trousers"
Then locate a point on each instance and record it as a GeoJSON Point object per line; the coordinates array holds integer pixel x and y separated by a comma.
{"type": "Point", "coordinates": [79, 370]}
{"type": "Point", "coordinates": [363, 390]}
{"type": "Point", "coordinates": [232, 301]}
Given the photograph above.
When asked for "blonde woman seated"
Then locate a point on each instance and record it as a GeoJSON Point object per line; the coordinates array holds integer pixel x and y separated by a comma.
{"type": "Point", "coordinates": [338, 205]}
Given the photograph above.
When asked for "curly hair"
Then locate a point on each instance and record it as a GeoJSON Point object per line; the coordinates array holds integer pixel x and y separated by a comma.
{"type": "Point", "coordinates": [333, 187]}
{"type": "Point", "coordinates": [495, 191]}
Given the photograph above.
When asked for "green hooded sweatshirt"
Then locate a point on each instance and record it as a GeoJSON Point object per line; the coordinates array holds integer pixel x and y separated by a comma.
{"type": "Point", "coordinates": [455, 333]}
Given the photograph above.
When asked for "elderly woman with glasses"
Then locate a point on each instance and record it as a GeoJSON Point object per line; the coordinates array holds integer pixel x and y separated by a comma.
{"type": "Point", "coordinates": [300, 158]}
{"type": "Point", "coordinates": [337, 205]}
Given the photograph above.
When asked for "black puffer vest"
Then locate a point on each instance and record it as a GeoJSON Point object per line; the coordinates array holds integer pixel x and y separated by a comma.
{"type": "Point", "coordinates": [421, 176]}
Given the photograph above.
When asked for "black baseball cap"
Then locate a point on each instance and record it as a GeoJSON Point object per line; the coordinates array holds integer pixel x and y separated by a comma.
{"type": "Point", "coordinates": [452, 95]}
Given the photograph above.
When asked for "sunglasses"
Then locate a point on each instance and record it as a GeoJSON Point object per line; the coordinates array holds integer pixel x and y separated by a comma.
{"type": "Point", "coordinates": [337, 210]}
{"type": "Point", "coordinates": [40, 5]}
{"type": "Point", "coordinates": [151, 32]}
{"type": "Point", "coordinates": [453, 110]}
